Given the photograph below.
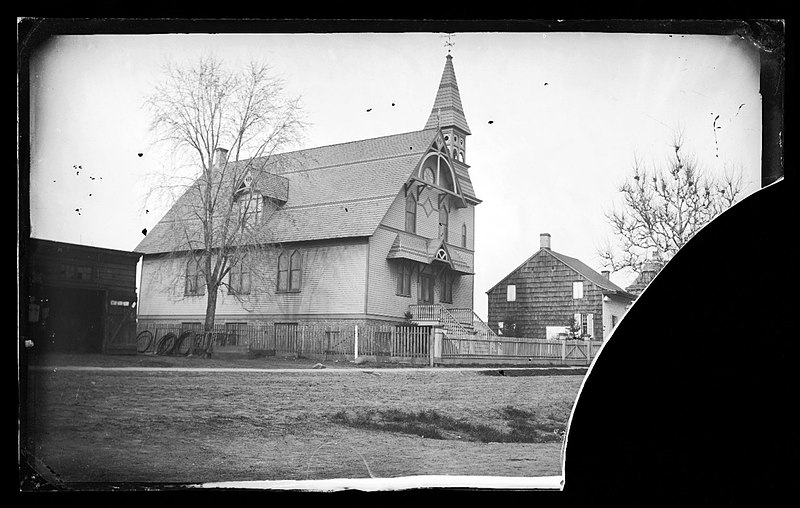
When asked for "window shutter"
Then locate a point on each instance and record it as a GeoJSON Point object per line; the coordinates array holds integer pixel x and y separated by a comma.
{"type": "Point", "coordinates": [578, 322]}
{"type": "Point", "coordinates": [590, 324]}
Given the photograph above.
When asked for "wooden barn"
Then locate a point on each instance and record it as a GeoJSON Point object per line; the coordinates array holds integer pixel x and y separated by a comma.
{"type": "Point", "coordinates": [81, 299]}
{"type": "Point", "coordinates": [366, 232]}
{"type": "Point", "coordinates": [551, 294]}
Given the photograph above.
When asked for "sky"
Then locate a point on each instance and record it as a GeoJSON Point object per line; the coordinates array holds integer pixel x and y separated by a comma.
{"type": "Point", "coordinates": [556, 120]}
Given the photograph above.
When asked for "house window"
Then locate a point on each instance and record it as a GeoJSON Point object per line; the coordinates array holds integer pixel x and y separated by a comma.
{"type": "Point", "coordinates": [500, 328]}
{"type": "Point", "coordinates": [239, 279]}
{"type": "Point", "coordinates": [194, 279]}
{"type": "Point", "coordinates": [577, 290]}
{"type": "Point", "coordinates": [411, 214]}
{"type": "Point", "coordinates": [464, 235]}
{"type": "Point", "coordinates": [444, 219]}
{"type": "Point", "coordinates": [251, 208]}
{"type": "Point", "coordinates": [289, 271]}
{"type": "Point", "coordinates": [404, 270]}
{"type": "Point", "coordinates": [511, 293]}
{"type": "Point", "coordinates": [447, 288]}
{"type": "Point", "coordinates": [584, 324]}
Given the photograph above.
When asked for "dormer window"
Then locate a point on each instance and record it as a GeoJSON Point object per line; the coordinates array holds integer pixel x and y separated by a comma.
{"type": "Point", "coordinates": [250, 208]}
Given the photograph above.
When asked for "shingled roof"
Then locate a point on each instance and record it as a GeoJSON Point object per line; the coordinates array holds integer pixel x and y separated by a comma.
{"type": "Point", "coordinates": [334, 191]}
{"type": "Point", "coordinates": [447, 109]}
{"type": "Point", "coordinates": [583, 269]}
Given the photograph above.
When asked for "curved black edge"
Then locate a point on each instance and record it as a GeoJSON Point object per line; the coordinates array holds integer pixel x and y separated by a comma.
{"type": "Point", "coordinates": [694, 391]}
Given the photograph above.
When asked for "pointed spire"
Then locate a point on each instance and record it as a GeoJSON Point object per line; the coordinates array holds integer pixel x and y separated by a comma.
{"type": "Point", "coordinates": [447, 109]}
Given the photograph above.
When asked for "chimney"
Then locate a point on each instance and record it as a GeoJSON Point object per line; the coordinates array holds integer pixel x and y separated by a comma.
{"type": "Point", "coordinates": [606, 274]}
{"type": "Point", "coordinates": [220, 156]}
{"type": "Point", "coordinates": [544, 241]}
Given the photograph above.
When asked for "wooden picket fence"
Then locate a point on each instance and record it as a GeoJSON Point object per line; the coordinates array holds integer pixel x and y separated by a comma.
{"type": "Point", "coordinates": [382, 343]}
{"type": "Point", "coordinates": [507, 348]}
{"type": "Point", "coordinates": [385, 343]}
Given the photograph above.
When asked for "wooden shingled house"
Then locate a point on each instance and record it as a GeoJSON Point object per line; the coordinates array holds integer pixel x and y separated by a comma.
{"type": "Point", "coordinates": [550, 294]}
{"type": "Point", "coordinates": [372, 231]}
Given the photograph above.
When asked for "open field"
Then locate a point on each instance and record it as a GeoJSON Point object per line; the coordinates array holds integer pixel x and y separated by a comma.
{"type": "Point", "coordinates": [185, 426]}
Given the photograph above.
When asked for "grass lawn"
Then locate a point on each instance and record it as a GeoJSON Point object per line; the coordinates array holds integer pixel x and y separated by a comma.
{"type": "Point", "coordinates": [182, 426]}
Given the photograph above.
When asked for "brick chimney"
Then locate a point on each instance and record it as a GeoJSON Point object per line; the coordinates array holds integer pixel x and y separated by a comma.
{"type": "Point", "coordinates": [220, 156]}
{"type": "Point", "coordinates": [544, 241]}
{"type": "Point", "coordinates": [606, 274]}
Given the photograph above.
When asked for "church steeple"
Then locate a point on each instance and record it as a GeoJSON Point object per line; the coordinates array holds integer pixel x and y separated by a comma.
{"type": "Point", "coordinates": [448, 113]}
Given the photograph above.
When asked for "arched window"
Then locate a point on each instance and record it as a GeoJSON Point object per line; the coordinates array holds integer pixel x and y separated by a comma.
{"type": "Point", "coordinates": [444, 219]}
{"type": "Point", "coordinates": [289, 271]}
{"type": "Point", "coordinates": [411, 213]}
{"type": "Point", "coordinates": [295, 270]}
{"type": "Point", "coordinates": [464, 235]}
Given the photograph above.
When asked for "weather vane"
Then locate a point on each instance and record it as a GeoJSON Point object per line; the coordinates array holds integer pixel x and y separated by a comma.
{"type": "Point", "coordinates": [449, 44]}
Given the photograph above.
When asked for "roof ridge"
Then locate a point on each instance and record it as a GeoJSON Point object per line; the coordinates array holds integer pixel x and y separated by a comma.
{"type": "Point", "coordinates": [607, 284]}
{"type": "Point", "coordinates": [345, 143]}
{"type": "Point", "coordinates": [342, 164]}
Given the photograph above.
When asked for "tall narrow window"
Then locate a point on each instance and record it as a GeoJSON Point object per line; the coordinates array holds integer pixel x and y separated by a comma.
{"type": "Point", "coordinates": [411, 213]}
{"type": "Point", "coordinates": [283, 272]}
{"type": "Point", "coordinates": [404, 278]}
{"type": "Point", "coordinates": [290, 268]}
{"type": "Point", "coordinates": [511, 293]}
{"type": "Point", "coordinates": [194, 279]}
{"type": "Point", "coordinates": [295, 270]}
{"type": "Point", "coordinates": [239, 279]}
{"type": "Point", "coordinates": [444, 219]}
{"type": "Point", "coordinates": [464, 235]}
{"type": "Point", "coordinates": [577, 290]}
{"type": "Point", "coordinates": [447, 288]}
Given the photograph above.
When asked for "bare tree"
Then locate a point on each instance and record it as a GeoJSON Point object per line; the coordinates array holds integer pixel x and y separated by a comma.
{"type": "Point", "coordinates": [228, 127]}
{"type": "Point", "coordinates": [664, 206]}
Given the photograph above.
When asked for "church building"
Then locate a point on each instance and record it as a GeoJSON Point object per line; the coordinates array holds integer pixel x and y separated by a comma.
{"type": "Point", "coordinates": [375, 231]}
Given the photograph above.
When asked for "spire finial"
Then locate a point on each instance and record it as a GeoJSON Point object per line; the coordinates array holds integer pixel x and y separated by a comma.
{"type": "Point", "coordinates": [449, 43]}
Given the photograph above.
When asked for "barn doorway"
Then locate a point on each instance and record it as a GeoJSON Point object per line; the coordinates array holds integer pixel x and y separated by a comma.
{"type": "Point", "coordinates": [72, 320]}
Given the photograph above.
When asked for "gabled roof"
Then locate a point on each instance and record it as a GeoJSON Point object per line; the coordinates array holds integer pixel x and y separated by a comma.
{"type": "Point", "coordinates": [581, 268]}
{"type": "Point", "coordinates": [334, 191]}
{"type": "Point", "coordinates": [447, 109]}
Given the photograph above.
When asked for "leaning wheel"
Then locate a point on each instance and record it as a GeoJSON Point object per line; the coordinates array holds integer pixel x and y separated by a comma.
{"type": "Point", "coordinates": [143, 341]}
{"type": "Point", "coordinates": [165, 344]}
{"type": "Point", "coordinates": [184, 343]}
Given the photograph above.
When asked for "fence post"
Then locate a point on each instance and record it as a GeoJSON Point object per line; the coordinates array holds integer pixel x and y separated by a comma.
{"type": "Point", "coordinates": [356, 343]}
{"type": "Point", "coordinates": [563, 349]}
{"type": "Point", "coordinates": [588, 351]}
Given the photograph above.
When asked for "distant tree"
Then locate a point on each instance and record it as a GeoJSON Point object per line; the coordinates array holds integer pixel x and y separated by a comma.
{"type": "Point", "coordinates": [664, 206]}
{"type": "Point", "coordinates": [219, 226]}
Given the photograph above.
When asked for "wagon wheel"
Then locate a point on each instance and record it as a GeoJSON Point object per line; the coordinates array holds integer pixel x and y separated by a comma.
{"type": "Point", "coordinates": [143, 341]}
{"type": "Point", "coordinates": [200, 343]}
{"type": "Point", "coordinates": [184, 343]}
{"type": "Point", "coordinates": [165, 344]}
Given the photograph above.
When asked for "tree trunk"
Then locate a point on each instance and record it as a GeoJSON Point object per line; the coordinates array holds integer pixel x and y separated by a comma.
{"type": "Point", "coordinates": [211, 310]}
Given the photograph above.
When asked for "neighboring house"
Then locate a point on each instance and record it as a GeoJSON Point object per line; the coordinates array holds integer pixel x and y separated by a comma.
{"type": "Point", "coordinates": [651, 267]}
{"type": "Point", "coordinates": [367, 230]}
{"type": "Point", "coordinates": [81, 299]}
{"type": "Point", "coordinates": [549, 292]}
